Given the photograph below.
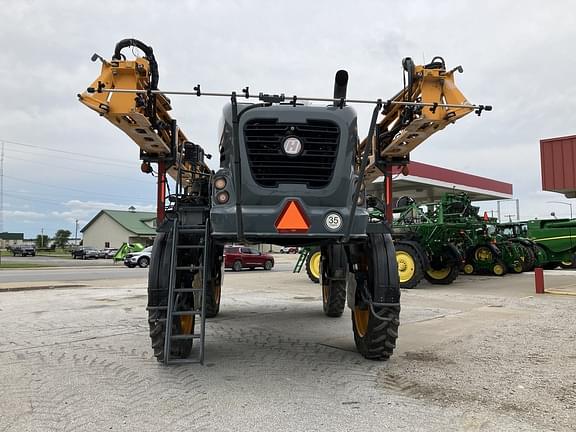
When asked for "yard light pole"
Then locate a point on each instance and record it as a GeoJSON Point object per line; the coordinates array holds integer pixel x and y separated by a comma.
{"type": "Point", "coordinates": [562, 202]}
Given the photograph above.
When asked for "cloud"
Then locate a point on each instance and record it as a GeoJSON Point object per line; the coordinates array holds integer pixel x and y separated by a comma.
{"type": "Point", "coordinates": [514, 58]}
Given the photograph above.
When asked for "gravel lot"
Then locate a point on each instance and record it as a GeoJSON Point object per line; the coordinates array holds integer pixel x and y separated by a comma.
{"type": "Point", "coordinates": [481, 355]}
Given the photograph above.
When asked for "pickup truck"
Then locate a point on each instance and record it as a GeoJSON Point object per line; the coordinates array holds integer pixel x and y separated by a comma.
{"type": "Point", "coordinates": [23, 250]}
{"type": "Point", "coordinates": [239, 257]}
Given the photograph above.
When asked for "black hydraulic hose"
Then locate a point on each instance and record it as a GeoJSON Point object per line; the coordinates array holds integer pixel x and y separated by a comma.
{"type": "Point", "coordinates": [154, 76]}
{"type": "Point", "coordinates": [362, 170]}
{"type": "Point", "coordinates": [125, 43]}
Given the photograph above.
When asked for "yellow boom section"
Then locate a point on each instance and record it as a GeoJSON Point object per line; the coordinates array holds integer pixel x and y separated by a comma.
{"type": "Point", "coordinates": [127, 111]}
{"type": "Point", "coordinates": [403, 126]}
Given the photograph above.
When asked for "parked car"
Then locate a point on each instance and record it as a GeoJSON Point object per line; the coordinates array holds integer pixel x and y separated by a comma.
{"type": "Point", "coordinates": [23, 250]}
{"type": "Point", "coordinates": [289, 249]}
{"type": "Point", "coordinates": [109, 252]}
{"type": "Point", "coordinates": [140, 259]}
{"type": "Point", "coordinates": [85, 252]}
{"type": "Point", "coordinates": [239, 257]}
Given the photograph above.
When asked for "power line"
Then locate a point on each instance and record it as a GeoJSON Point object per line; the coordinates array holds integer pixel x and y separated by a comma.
{"type": "Point", "coordinates": [56, 150]}
{"type": "Point", "coordinates": [71, 189]}
{"type": "Point", "coordinates": [77, 170]}
{"type": "Point", "coordinates": [123, 165]}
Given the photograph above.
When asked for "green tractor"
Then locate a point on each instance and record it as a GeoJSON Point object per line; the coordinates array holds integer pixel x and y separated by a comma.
{"type": "Point", "coordinates": [556, 239]}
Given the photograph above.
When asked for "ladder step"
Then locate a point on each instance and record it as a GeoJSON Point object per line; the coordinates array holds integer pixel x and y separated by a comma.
{"type": "Point", "coordinates": [191, 230]}
{"type": "Point", "coordinates": [189, 268]}
{"type": "Point", "coordinates": [183, 361]}
{"type": "Point", "coordinates": [187, 290]}
{"type": "Point", "coordinates": [150, 308]}
{"type": "Point", "coordinates": [186, 336]}
{"type": "Point", "coordinates": [187, 313]}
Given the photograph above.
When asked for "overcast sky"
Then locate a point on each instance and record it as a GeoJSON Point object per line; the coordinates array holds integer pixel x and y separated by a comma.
{"type": "Point", "coordinates": [63, 163]}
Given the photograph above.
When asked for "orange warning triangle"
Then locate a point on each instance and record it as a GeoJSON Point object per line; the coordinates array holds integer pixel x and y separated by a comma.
{"type": "Point", "coordinates": [292, 219]}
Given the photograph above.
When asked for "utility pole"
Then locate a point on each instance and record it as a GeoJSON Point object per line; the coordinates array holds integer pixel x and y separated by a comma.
{"type": "Point", "coordinates": [42, 237]}
{"type": "Point", "coordinates": [2, 188]}
{"type": "Point", "coordinates": [76, 234]}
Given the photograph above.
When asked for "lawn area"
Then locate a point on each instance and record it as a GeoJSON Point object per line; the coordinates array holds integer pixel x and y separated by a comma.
{"type": "Point", "coordinates": [13, 265]}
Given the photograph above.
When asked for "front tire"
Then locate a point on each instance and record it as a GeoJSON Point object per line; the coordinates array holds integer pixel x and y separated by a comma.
{"type": "Point", "coordinates": [375, 324]}
{"type": "Point", "coordinates": [158, 284]}
{"type": "Point", "coordinates": [268, 265]}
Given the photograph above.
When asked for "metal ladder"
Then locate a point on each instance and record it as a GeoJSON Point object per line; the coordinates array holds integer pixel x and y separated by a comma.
{"type": "Point", "coordinates": [301, 259]}
{"type": "Point", "coordinates": [179, 232]}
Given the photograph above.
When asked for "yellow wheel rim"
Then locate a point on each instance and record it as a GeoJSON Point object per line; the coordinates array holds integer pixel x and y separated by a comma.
{"type": "Point", "coordinates": [315, 264]}
{"type": "Point", "coordinates": [186, 324]}
{"type": "Point", "coordinates": [361, 317]}
{"type": "Point", "coordinates": [566, 263]}
{"type": "Point", "coordinates": [468, 269]}
{"type": "Point", "coordinates": [498, 269]}
{"type": "Point", "coordinates": [518, 268]}
{"type": "Point", "coordinates": [439, 274]}
{"type": "Point", "coordinates": [406, 266]}
{"type": "Point", "coordinates": [483, 254]}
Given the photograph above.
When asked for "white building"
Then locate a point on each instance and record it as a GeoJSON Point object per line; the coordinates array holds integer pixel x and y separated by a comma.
{"type": "Point", "coordinates": [112, 228]}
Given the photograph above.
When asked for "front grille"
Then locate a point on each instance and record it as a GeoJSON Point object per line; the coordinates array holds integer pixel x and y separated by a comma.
{"type": "Point", "coordinates": [269, 164]}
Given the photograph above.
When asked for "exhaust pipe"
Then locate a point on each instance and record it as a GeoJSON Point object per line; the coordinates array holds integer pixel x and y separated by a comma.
{"type": "Point", "coordinates": [340, 86]}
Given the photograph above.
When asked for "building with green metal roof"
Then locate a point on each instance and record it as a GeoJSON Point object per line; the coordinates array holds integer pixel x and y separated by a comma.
{"type": "Point", "coordinates": [112, 228]}
{"type": "Point", "coordinates": [10, 239]}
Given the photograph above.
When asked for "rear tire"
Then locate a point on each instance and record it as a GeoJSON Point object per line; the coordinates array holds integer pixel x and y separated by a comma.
{"type": "Point", "coordinates": [313, 265]}
{"type": "Point", "coordinates": [376, 326]}
{"type": "Point", "coordinates": [143, 262]}
{"type": "Point", "coordinates": [334, 271]}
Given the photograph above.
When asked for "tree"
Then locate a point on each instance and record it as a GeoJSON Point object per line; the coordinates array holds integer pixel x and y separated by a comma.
{"type": "Point", "coordinates": [61, 238]}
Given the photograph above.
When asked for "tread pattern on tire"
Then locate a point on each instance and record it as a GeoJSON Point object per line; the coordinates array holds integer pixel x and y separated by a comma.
{"type": "Point", "coordinates": [333, 290]}
{"type": "Point", "coordinates": [379, 340]}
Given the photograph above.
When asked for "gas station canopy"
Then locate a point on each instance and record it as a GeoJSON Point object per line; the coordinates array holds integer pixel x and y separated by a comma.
{"type": "Point", "coordinates": [427, 183]}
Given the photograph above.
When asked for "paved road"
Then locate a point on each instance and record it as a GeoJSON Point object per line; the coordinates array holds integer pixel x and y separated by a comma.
{"type": "Point", "coordinates": [80, 360]}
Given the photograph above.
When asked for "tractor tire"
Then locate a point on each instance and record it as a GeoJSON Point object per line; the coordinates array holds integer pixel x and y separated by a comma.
{"type": "Point", "coordinates": [410, 267]}
{"type": "Point", "coordinates": [158, 284]}
{"type": "Point", "coordinates": [529, 258]}
{"type": "Point", "coordinates": [468, 269]}
{"type": "Point", "coordinates": [443, 276]}
{"type": "Point", "coordinates": [313, 265]}
{"type": "Point", "coordinates": [334, 275]}
{"type": "Point", "coordinates": [375, 326]}
{"type": "Point", "coordinates": [516, 267]}
{"type": "Point", "coordinates": [214, 291]}
{"type": "Point", "coordinates": [567, 264]}
{"type": "Point", "coordinates": [499, 268]}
